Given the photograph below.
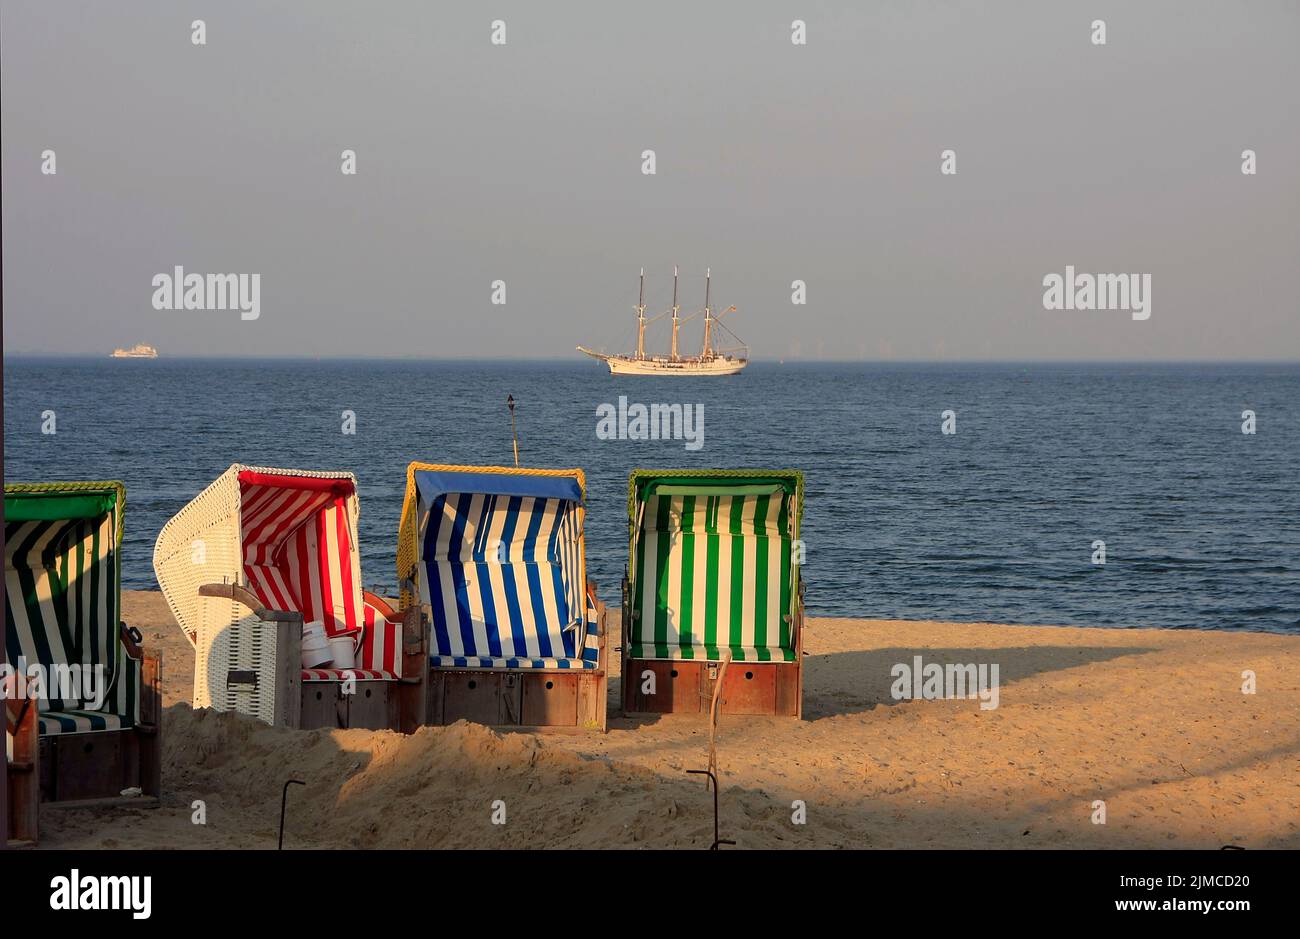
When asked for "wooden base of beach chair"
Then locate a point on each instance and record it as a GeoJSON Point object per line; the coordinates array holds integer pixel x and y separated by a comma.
{"type": "Point", "coordinates": [557, 700]}
{"type": "Point", "coordinates": [373, 706]}
{"type": "Point", "coordinates": [23, 778]}
{"type": "Point", "coordinates": [542, 700]}
{"type": "Point", "coordinates": [686, 687]}
{"type": "Point", "coordinates": [79, 767]}
{"type": "Point", "coordinates": [102, 765]}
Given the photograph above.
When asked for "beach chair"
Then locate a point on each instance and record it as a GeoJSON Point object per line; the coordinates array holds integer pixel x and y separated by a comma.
{"type": "Point", "coordinates": [714, 569]}
{"type": "Point", "coordinates": [255, 556]}
{"type": "Point", "coordinates": [491, 564]}
{"type": "Point", "coordinates": [97, 696]}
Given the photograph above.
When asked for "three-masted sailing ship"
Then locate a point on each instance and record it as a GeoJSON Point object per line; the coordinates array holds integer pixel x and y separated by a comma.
{"type": "Point", "coordinates": [710, 361]}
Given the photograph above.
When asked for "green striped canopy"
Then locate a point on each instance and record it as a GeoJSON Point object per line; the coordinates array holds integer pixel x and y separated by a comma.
{"type": "Point", "coordinates": [712, 567]}
{"type": "Point", "coordinates": [62, 577]}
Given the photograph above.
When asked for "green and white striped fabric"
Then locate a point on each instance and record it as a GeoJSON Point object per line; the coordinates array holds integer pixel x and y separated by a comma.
{"type": "Point", "coordinates": [53, 723]}
{"type": "Point", "coordinates": [61, 611]}
{"type": "Point", "coordinates": [713, 572]}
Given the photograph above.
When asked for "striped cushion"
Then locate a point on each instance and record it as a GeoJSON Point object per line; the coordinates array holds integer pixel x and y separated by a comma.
{"type": "Point", "coordinates": [339, 674]}
{"type": "Point", "coordinates": [53, 723]}
{"type": "Point", "coordinates": [478, 661]}
{"type": "Point", "coordinates": [381, 645]}
{"type": "Point", "coordinates": [712, 573]}
{"type": "Point", "coordinates": [124, 695]}
{"type": "Point", "coordinates": [502, 576]}
{"type": "Point", "coordinates": [591, 642]}
{"type": "Point", "coordinates": [641, 650]}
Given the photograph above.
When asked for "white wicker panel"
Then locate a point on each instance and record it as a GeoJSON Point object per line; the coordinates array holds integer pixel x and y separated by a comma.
{"type": "Point", "coordinates": [211, 518]}
{"type": "Point", "coordinates": [230, 642]}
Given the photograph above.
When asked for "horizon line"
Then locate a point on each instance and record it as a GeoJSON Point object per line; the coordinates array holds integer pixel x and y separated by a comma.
{"type": "Point", "coordinates": [798, 360]}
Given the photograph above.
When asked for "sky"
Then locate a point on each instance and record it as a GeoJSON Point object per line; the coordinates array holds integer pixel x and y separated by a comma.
{"type": "Point", "coordinates": [775, 162]}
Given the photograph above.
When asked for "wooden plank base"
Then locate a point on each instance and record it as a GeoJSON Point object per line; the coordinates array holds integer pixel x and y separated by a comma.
{"type": "Point", "coordinates": [519, 699]}
{"type": "Point", "coordinates": [373, 706]}
{"type": "Point", "coordinates": [79, 767]}
{"type": "Point", "coordinates": [686, 687]}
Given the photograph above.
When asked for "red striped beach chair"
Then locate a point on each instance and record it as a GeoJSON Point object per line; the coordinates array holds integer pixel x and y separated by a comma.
{"type": "Point", "coordinates": [714, 573]}
{"type": "Point", "coordinates": [492, 566]}
{"type": "Point", "coordinates": [83, 702]}
{"type": "Point", "coordinates": [245, 565]}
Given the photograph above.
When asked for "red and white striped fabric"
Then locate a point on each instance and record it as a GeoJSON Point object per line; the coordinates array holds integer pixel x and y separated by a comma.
{"type": "Point", "coordinates": [381, 645]}
{"type": "Point", "coordinates": [339, 674]}
{"type": "Point", "coordinates": [299, 549]}
{"type": "Point", "coordinates": [300, 553]}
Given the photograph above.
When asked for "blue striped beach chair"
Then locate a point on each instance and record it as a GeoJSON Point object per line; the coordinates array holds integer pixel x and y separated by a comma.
{"type": "Point", "coordinates": [713, 576]}
{"type": "Point", "coordinates": [97, 695]}
{"type": "Point", "coordinates": [491, 565]}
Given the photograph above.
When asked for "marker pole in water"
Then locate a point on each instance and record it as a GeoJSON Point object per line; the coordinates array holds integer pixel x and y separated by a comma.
{"type": "Point", "coordinates": [510, 403]}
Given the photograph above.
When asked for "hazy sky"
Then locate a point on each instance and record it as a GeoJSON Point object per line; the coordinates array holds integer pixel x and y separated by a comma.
{"type": "Point", "coordinates": [775, 162]}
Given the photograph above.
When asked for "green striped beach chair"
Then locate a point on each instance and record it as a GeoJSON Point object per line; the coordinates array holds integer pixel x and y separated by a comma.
{"type": "Point", "coordinates": [96, 693]}
{"type": "Point", "coordinates": [713, 574]}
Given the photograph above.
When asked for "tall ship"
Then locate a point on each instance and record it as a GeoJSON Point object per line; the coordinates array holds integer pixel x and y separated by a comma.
{"type": "Point", "coordinates": [140, 351]}
{"type": "Point", "coordinates": [711, 360]}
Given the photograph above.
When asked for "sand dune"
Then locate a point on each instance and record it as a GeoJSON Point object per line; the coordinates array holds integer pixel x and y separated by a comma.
{"type": "Point", "coordinates": [1152, 722]}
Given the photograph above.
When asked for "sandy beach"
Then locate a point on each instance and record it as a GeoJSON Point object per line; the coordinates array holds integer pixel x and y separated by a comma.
{"type": "Point", "coordinates": [1154, 723]}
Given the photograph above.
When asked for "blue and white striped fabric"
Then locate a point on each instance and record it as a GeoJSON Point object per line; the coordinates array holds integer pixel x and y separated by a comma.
{"type": "Point", "coordinates": [590, 655]}
{"type": "Point", "coordinates": [502, 575]}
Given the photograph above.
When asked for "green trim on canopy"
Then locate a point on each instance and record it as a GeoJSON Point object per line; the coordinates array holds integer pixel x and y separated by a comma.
{"type": "Point", "coordinates": [685, 481]}
{"type": "Point", "coordinates": [42, 502]}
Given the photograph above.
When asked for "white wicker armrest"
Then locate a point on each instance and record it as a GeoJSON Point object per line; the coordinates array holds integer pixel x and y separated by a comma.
{"type": "Point", "coordinates": [249, 662]}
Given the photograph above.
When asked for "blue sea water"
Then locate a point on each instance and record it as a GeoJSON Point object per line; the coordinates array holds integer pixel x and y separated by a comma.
{"type": "Point", "coordinates": [994, 523]}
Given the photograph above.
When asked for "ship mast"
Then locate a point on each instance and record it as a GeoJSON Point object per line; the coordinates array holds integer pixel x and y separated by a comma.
{"type": "Point", "coordinates": [640, 320]}
{"type": "Point", "coordinates": [675, 309]}
{"type": "Point", "coordinates": [708, 317]}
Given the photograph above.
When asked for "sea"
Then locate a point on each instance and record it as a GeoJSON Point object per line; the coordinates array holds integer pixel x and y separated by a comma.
{"type": "Point", "coordinates": [1000, 519]}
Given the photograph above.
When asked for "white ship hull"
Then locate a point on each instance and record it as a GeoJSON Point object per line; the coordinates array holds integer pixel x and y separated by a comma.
{"type": "Point", "coordinates": [720, 365]}
{"type": "Point", "coordinates": [136, 352]}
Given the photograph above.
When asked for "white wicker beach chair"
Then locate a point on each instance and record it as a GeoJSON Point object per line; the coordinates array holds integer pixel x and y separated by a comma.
{"type": "Point", "coordinates": [245, 564]}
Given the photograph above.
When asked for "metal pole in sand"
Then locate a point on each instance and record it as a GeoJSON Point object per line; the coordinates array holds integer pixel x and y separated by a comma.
{"type": "Point", "coordinates": [284, 799]}
{"type": "Point", "coordinates": [715, 708]}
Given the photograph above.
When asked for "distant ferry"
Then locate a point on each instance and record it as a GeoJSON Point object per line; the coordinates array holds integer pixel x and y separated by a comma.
{"type": "Point", "coordinates": [140, 351]}
{"type": "Point", "coordinates": [710, 361]}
